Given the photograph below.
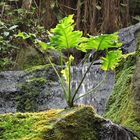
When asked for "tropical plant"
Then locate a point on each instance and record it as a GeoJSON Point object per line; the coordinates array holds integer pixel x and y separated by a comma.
{"type": "Point", "coordinates": [63, 36]}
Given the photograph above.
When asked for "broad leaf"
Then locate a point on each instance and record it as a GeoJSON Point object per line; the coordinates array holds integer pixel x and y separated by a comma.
{"type": "Point", "coordinates": [63, 35]}
{"type": "Point", "coordinates": [111, 60]}
{"type": "Point", "coordinates": [101, 42]}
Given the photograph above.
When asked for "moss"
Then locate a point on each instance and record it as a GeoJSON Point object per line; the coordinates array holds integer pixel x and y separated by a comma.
{"type": "Point", "coordinates": [79, 123]}
{"type": "Point", "coordinates": [27, 99]}
{"type": "Point", "coordinates": [29, 126]}
{"type": "Point", "coordinates": [30, 89]}
{"type": "Point", "coordinates": [33, 61]}
{"type": "Point", "coordinates": [27, 57]}
{"type": "Point", "coordinates": [38, 68]}
{"type": "Point", "coordinates": [121, 104]}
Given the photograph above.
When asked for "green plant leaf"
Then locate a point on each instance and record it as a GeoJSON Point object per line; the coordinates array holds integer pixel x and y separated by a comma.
{"type": "Point", "coordinates": [101, 42]}
{"type": "Point", "coordinates": [23, 35]}
{"type": "Point", "coordinates": [43, 45]}
{"type": "Point", "coordinates": [13, 27]}
{"type": "Point", "coordinates": [111, 60]}
{"type": "Point", "coordinates": [63, 35]}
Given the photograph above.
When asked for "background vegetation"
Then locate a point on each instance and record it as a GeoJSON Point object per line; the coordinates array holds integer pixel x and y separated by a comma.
{"type": "Point", "coordinates": [38, 16]}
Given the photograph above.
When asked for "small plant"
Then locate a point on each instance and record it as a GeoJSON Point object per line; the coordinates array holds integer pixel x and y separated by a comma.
{"type": "Point", "coordinates": [6, 46]}
{"type": "Point", "coordinates": [63, 36]}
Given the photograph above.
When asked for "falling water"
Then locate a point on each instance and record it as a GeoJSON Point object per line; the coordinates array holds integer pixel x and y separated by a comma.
{"type": "Point", "coordinates": [100, 95]}
{"type": "Point", "coordinates": [51, 96]}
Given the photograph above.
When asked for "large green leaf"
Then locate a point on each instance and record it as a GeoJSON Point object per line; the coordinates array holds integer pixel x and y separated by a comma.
{"type": "Point", "coordinates": [111, 60]}
{"type": "Point", "coordinates": [63, 35]}
{"type": "Point", "coordinates": [101, 42]}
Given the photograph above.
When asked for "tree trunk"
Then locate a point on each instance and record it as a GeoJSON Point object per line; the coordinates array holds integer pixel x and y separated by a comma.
{"type": "Point", "coordinates": [26, 4]}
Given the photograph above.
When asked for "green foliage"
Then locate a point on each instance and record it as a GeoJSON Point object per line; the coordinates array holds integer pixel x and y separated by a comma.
{"type": "Point", "coordinates": [64, 37]}
{"type": "Point", "coordinates": [111, 60]}
{"type": "Point", "coordinates": [4, 62]}
{"type": "Point", "coordinates": [122, 106]}
{"type": "Point", "coordinates": [12, 20]}
{"type": "Point", "coordinates": [24, 35]}
{"type": "Point", "coordinates": [6, 46]}
{"type": "Point", "coordinates": [101, 42]}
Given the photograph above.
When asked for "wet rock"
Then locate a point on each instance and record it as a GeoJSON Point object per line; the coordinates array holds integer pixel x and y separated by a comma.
{"type": "Point", "coordinates": [77, 123]}
{"type": "Point", "coordinates": [39, 87]}
{"type": "Point", "coordinates": [49, 94]}
{"type": "Point", "coordinates": [124, 103]}
{"type": "Point", "coordinates": [127, 37]}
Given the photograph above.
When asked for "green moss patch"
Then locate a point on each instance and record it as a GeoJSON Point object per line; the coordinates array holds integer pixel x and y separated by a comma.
{"type": "Point", "coordinates": [38, 68]}
{"type": "Point", "coordinates": [24, 126]}
{"type": "Point", "coordinates": [121, 105]}
{"type": "Point", "coordinates": [79, 123]}
{"type": "Point", "coordinates": [26, 100]}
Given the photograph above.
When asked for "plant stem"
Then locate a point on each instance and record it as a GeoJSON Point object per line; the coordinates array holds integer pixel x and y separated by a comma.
{"type": "Point", "coordinates": [76, 91]}
{"type": "Point", "coordinates": [89, 92]}
{"type": "Point", "coordinates": [61, 59]}
{"type": "Point", "coordinates": [61, 81]}
{"type": "Point", "coordinates": [69, 89]}
{"type": "Point", "coordinates": [82, 81]}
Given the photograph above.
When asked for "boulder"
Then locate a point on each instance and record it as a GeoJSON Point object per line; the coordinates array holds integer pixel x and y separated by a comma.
{"type": "Point", "coordinates": [78, 123]}
{"type": "Point", "coordinates": [37, 88]}
{"type": "Point", "coordinates": [124, 104]}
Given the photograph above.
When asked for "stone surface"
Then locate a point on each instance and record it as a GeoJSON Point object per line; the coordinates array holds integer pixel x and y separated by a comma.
{"type": "Point", "coordinates": [27, 57]}
{"type": "Point", "coordinates": [78, 123]}
{"type": "Point", "coordinates": [49, 94]}
{"type": "Point", "coordinates": [127, 37]}
{"type": "Point", "coordinates": [124, 103]}
{"type": "Point", "coordinates": [28, 85]}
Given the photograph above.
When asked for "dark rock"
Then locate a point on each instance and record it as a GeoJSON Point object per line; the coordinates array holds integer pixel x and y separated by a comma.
{"type": "Point", "coordinates": [127, 37]}
{"type": "Point", "coordinates": [39, 86]}
{"type": "Point", "coordinates": [77, 123]}
{"type": "Point", "coordinates": [49, 94]}
{"type": "Point", "coordinates": [124, 104]}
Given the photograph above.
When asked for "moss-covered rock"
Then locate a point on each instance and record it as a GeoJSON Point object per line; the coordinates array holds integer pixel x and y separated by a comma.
{"type": "Point", "coordinates": [32, 87]}
{"type": "Point", "coordinates": [79, 123]}
{"type": "Point", "coordinates": [124, 103]}
{"type": "Point", "coordinates": [27, 57]}
{"type": "Point", "coordinates": [27, 99]}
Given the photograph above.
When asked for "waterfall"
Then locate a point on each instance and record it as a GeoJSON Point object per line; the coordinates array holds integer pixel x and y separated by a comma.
{"type": "Point", "coordinates": [99, 97]}
{"type": "Point", "coordinates": [51, 95]}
